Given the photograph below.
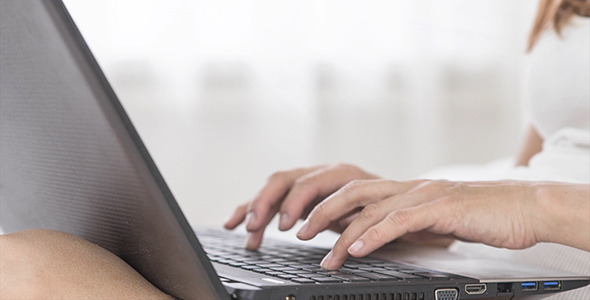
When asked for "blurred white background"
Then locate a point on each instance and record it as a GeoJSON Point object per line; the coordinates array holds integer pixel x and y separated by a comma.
{"type": "Point", "coordinates": [225, 92]}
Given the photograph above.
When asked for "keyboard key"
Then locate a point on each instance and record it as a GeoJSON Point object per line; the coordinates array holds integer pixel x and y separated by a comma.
{"type": "Point", "coordinates": [366, 260]}
{"type": "Point", "coordinates": [391, 265]}
{"type": "Point", "coordinates": [249, 267]}
{"type": "Point", "coordinates": [326, 279]}
{"type": "Point", "coordinates": [285, 269]}
{"type": "Point", "coordinates": [296, 271]}
{"type": "Point", "coordinates": [373, 269]}
{"type": "Point", "coordinates": [400, 275]}
{"type": "Point", "coordinates": [377, 276]}
{"type": "Point", "coordinates": [270, 266]}
{"type": "Point", "coordinates": [328, 272]}
{"type": "Point", "coordinates": [262, 270]}
{"type": "Point", "coordinates": [303, 280]}
{"type": "Point", "coordinates": [350, 271]}
{"type": "Point", "coordinates": [351, 278]}
{"type": "Point", "coordinates": [355, 265]}
{"type": "Point", "coordinates": [308, 275]}
{"type": "Point", "coordinates": [274, 273]}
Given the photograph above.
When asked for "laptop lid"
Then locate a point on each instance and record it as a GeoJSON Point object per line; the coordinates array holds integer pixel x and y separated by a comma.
{"type": "Point", "coordinates": [72, 161]}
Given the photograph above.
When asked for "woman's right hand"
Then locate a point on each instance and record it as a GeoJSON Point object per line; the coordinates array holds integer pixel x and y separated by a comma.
{"type": "Point", "coordinates": [293, 194]}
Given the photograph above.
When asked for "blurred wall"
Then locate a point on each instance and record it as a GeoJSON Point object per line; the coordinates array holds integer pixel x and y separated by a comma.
{"type": "Point", "coordinates": [225, 92]}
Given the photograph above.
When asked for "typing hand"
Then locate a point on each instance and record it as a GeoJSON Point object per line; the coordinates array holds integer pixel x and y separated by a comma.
{"type": "Point", "coordinates": [509, 214]}
{"type": "Point", "coordinates": [293, 194]}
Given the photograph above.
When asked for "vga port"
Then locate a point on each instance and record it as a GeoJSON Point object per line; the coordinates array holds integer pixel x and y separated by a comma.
{"type": "Point", "coordinates": [446, 294]}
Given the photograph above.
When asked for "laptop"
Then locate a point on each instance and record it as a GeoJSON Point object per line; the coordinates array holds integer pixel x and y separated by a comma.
{"type": "Point", "coordinates": [72, 161]}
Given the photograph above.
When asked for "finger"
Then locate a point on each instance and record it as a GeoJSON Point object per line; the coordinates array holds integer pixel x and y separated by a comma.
{"type": "Point", "coordinates": [409, 194]}
{"type": "Point", "coordinates": [358, 193]}
{"type": "Point", "coordinates": [369, 216]}
{"type": "Point", "coordinates": [397, 224]}
{"type": "Point", "coordinates": [237, 217]}
{"type": "Point", "coordinates": [271, 194]}
{"type": "Point", "coordinates": [254, 239]}
{"type": "Point", "coordinates": [313, 186]}
{"type": "Point", "coordinates": [341, 225]}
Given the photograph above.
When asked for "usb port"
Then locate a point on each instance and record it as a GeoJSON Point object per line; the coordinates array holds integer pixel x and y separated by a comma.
{"type": "Point", "coordinates": [551, 286]}
{"type": "Point", "coordinates": [528, 286]}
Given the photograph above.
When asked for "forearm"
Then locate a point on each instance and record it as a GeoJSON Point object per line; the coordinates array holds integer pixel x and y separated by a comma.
{"type": "Point", "coordinates": [563, 214]}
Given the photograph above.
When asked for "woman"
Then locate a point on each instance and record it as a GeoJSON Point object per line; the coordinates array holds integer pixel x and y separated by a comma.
{"type": "Point", "coordinates": [552, 205]}
{"type": "Point", "coordinates": [369, 211]}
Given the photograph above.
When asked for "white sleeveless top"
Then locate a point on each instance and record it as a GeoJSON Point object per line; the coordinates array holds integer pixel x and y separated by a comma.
{"type": "Point", "coordinates": [558, 103]}
{"type": "Point", "coordinates": [558, 85]}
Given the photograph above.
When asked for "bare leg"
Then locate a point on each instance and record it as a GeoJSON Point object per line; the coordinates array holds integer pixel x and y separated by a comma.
{"type": "Point", "coordinates": [49, 264]}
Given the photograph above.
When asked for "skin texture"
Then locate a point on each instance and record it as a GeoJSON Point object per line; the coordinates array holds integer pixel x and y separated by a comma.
{"type": "Point", "coordinates": [370, 212]}
{"type": "Point", "coordinates": [44, 264]}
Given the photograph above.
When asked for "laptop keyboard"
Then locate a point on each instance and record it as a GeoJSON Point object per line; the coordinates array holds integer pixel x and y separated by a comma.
{"type": "Point", "coordinates": [301, 263]}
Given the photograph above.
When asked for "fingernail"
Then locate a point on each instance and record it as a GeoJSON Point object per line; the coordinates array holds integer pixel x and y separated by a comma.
{"type": "Point", "coordinates": [250, 219]}
{"type": "Point", "coordinates": [356, 247]}
{"type": "Point", "coordinates": [284, 221]}
{"type": "Point", "coordinates": [326, 261]}
{"type": "Point", "coordinates": [303, 230]}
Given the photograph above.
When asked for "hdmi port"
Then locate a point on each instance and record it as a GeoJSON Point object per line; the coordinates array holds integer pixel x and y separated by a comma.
{"type": "Point", "coordinates": [475, 289]}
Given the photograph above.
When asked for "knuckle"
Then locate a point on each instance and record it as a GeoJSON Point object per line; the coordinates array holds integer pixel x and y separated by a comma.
{"type": "Point", "coordinates": [428, 185]}
{"type": "Point", "coordinates": [341, 165]}
{"type": "Point", "coordinates": [433, 186]}
{"type": "Point", "coordinates": [320, 211]}
{"type": "Point", "coordinates": [303, 182]}
{"type": "Point", "coordinates": [256, 204]}
{"type": "Point", "coordinates": [419, 182]}
{"type": "Point", "coordinates": [306, 188]}
{"type": "Point", "coordinates": [347, 168]}
{"type": "Point", "coordinates": [370, 212]}
{"type": "Point", "coordinates": [279, 176]}
{"type": "Point", "coordinates": [376, 235]}
{"type": "Point", "coordinates": [354, 185]}
{"type": "Point", "coordinates": [399, 218]}
{"type": "Point", "coordinates": [244, 206]}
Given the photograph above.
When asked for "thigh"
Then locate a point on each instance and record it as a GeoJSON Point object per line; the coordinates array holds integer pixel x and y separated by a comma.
{"type": "Point", "coordinates": [49, 264]}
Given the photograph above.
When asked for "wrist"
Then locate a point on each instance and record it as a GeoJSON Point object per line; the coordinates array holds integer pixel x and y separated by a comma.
{"type": "Point", "coordinates": [562, 214]}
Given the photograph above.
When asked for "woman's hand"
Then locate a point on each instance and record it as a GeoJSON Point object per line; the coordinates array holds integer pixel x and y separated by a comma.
{"type": "Point", "coordinates": [293, 194]}
{"type": "Point", "coordinates": [507, 214]}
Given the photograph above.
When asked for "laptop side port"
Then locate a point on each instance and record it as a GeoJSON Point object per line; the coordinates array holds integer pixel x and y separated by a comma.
{"type": "Point", "coordinates": [446, 294]}
{"type": "Point", "coordinates": [551, 286]}
{"type": "Point", "coordinates": [528, 286]}
{"type": "Point", "coordinates": [504, 287]}
{"type": "Point", "coordinates": [475, 289]}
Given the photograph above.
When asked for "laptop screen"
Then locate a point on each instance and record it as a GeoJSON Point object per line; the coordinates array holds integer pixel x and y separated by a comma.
{"type": "Point", "coordinates": [72, 161]}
